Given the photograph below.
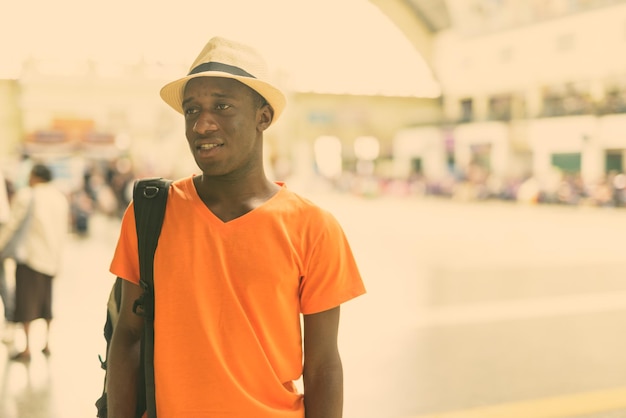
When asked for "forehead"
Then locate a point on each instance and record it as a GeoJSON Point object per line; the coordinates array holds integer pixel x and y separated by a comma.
{"type": "Point", "coordinates": [215, 86]}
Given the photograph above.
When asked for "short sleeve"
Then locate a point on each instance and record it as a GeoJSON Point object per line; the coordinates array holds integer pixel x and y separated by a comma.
{"type": "Point", "coordinates": [125, 263]}
{"type": "Point", "coordinates": [331, 276]}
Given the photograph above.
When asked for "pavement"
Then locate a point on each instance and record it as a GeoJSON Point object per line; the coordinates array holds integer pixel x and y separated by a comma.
{"type": "Point", "coordinates": [473, 310]}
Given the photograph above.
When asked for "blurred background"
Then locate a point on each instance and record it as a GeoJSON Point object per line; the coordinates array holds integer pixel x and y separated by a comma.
{"type": "Point", "coordinates": [482, 141]}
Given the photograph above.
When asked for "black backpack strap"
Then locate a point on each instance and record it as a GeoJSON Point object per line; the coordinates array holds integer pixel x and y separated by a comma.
{"type": "Point", "coordinates": [113, 309]}
{"type": "Point", "coordinates": [149, 200]}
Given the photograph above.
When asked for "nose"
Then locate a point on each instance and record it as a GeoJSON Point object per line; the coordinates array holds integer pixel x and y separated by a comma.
{"type": "Point", "coordinates": [204, 124]}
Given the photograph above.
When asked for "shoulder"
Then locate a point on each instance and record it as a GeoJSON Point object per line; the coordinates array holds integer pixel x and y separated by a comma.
{"type": "Point", "coordinates": [23, 193]}
{"type": "Point", "coordinates": [51, 191]}
{"type": "Point", "coordinates": [309, 213]}
{"type": "Point", "coordinates": [178, 189]}
{"type": "Point", "coordinates": [296, 202]}
{"type": "Point", "coordinates": [183, 183]}
{"type": "Point", "coordinates": [23, 196]}
{"type": "Point", "coordinates": [182, 189]}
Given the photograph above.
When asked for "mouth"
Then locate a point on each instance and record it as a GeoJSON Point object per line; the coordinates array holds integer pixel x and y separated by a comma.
{"type": "Point", "coordinates": [207, 147]}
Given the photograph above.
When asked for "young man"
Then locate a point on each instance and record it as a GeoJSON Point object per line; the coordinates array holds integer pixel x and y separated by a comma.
{"type": "Point", "coordinates": [239, 259]}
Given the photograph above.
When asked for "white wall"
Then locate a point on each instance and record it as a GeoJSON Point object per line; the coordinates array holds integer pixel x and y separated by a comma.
{"type": "Point", "coordinates": [583, 46]}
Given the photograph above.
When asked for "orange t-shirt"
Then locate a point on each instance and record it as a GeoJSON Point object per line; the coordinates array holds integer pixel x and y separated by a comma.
{"type": "Point", "coordinates": [228, 299]}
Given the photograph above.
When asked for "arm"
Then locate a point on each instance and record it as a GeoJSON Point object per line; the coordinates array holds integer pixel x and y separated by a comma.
{"type": "Point", "coordinates": [19, 210]}
{"type": "Point", "coordinates": [323, 372]}
{"type": "Point", "coordinates": [123, 357]}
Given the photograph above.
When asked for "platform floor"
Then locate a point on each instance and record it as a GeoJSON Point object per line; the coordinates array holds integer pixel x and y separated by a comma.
{"type": "Point", "coordinates": [473, 311]}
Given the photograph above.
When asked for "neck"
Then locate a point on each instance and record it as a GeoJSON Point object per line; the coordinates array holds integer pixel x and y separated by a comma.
{"type": "Point", "coordinates": [229, 199]}
{"type": "Point", "coordinates": [234, 189]}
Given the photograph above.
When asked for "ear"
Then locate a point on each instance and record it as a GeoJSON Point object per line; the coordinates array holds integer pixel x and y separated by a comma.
{"type": "Point", "coordinates": [265, 117]}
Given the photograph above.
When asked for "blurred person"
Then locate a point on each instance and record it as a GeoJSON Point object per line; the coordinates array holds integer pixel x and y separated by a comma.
{"type": "Point", "coordinates": [618, 184]}
{"type": "Point", "coordinates": [5, 209]}
{"type": "Point", "coordinates": [81, 206]}
{"type": "Point", "coordinates": [529, 191]}
{"type": "Point", "coordinates": [6, 293]}
{"type": "Point", "coordinates": [105, 200]}
{"type": "Point", "coordinates": [22, 172]}
{"type": "Point", "coordinates": [38, 249]}
{"type": "Point", "coordinates": [122, 178]}
{"type": "Point", "coordinates": [602, 194]}
{"type": "Point", "coordinates": [240, 258]}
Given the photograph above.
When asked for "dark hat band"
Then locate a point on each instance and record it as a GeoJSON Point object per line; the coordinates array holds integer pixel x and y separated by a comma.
{"type": "Point", "coordinates": [218, 66]}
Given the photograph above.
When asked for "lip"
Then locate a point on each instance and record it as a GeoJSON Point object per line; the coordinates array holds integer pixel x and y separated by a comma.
{"type": "Point", "coordinates": [204, 142]}
{"type": "Point", "coordinates": [207, 148]}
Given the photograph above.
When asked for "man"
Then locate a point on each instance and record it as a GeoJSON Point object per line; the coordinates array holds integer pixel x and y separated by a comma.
{"type": "Point", "coordinates": [239, 259]}
{"type": "Point", "coordinates": [37, 229]}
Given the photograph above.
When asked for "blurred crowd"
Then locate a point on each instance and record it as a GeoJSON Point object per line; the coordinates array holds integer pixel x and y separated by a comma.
{"type": "Point", "coordinates": [561, 188]}
{"type": "Point", "coordinates": [103, 187]}
{"type": "Point", "coordinates": [106, 188]}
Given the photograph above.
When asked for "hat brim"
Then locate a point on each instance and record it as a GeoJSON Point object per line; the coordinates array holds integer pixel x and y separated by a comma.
{"type": "Point", "coordinates": [172, 93]}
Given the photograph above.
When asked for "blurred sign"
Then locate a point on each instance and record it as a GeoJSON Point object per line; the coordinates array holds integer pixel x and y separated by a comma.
{"type": "Point", "coordinates": [47, 137]}
{"type": "Point", "coordinates": [71, 136]}
{"type": "Point", "coordinates": [320, 118]}
{"type": "Point", "coordinates": [98, 138]}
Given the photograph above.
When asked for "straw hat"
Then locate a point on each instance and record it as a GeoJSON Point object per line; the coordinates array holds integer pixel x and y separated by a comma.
{"type": "Point", "coordinates": [229, 59]}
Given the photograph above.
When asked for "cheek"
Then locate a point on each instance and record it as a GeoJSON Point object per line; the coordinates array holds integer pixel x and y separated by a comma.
{"type": "Point", "coordinates": [245, 126]}
{"type": "Point", "coordinates": [188, 127]}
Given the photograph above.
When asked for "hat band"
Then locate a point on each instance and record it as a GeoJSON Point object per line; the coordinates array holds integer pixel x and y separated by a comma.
{"type": "Point", "coordinates": [218, 66]}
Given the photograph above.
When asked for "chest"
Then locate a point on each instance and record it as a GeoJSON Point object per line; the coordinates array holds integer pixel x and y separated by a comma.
{"type": "Point", "coordinates": [243, 261]}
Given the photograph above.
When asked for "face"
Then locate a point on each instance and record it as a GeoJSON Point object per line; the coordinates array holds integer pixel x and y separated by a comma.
{"type": "Point", "coordinates": [224, 121]}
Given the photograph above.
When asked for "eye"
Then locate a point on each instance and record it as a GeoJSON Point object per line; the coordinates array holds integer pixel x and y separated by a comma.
{"type": "Point", "coordinates": [222, 106]}
{"type": "Point", "coordinates": [190, 111]}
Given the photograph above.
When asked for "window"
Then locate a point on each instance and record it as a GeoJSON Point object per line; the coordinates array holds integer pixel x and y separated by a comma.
{"type": "Point", "coordinates": [567, 162]}
{"type": "Point", "coordinates": [615, 96]}
{"type": "Point", "coordinates": [567, 99]}
{"type": "Point", "coordinates": [467, 111]}
{"type": "Point", "coordinates": [500, 107]}
{"type": "Point", "coordinates": [613, 161]}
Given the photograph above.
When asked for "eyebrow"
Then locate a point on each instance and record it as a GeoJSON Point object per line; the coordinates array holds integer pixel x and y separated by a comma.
{"type": "Point", "coordinates": [215, 95]}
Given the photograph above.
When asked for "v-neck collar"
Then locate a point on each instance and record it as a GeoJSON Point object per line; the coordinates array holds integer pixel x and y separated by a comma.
{"type": "Point", "coordinates": [192, 192]}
